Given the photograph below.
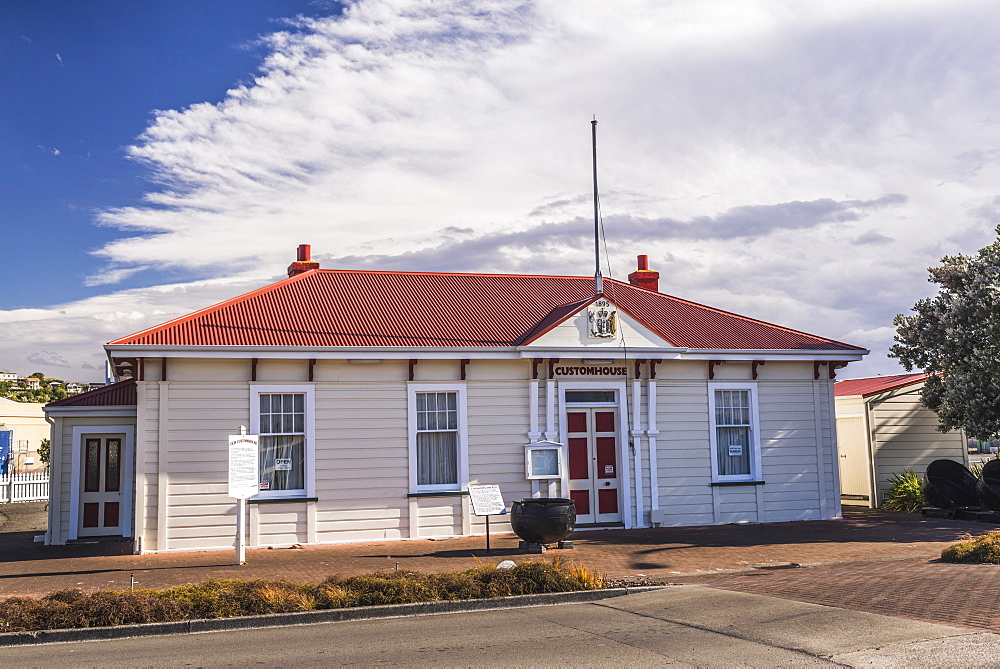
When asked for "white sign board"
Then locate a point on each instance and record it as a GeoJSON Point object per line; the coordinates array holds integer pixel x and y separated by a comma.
{"type": "Point", "coordinates": [487, 500]}
{"type": "Point", "coordinates": [735, 450]}
{"type": "Point", "coordinates": [243, 465]}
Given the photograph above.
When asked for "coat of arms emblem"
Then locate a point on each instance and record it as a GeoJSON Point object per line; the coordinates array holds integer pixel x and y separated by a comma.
{"type": "Point", "coordinates": [603, 318]}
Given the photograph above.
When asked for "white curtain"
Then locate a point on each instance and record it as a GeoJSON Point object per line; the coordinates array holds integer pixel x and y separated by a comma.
{"type": "Point", "coordinates": [729, 464]}
{"type": "Point", "coordinates": [282, 462]}
{"type": "Point", "coordinates": [437, 458]}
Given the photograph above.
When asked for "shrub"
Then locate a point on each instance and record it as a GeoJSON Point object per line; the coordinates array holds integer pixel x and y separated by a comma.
{"type": "Point", "coordinates": [984, 549]}
{"type": "Point", "coordinates": [74, 609]}
{"type": "Point", "coordinates": [589, 579]}
{"type": "Point", "coordinates": [905, 493]}
{"type": "Point", "coordinates": [226, 598]}
{"type": "Point", "coordinates": [389, 587]}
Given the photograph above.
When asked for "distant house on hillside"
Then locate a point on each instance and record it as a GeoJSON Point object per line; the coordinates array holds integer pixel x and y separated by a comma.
{"type": "Point", "coordinates": [380, 397]}
{"type": "Point", "coordinates": [882, 430]}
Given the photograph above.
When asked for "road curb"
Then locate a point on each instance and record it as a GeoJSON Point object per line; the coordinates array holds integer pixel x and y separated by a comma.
{"type": "Point", "coordinates": [310, 617]}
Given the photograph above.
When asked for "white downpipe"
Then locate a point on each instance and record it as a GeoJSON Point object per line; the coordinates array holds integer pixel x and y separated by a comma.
{"type": "Point", "coordinates": [636, 443]}
{"type": "Point", "coordinates": [533, 432]}
{"type": "Point", "coordinates": [651, 433]}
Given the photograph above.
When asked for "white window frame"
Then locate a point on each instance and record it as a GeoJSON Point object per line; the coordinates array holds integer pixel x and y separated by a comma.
{"type": "Point", "coordinates": [310, 435]}
{"type": "Point", "coordinates": [755, 457]}
{"type": "Point", "coordinates": [463, 434]}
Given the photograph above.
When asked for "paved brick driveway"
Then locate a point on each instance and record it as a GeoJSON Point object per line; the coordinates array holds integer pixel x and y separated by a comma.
{"type": "Point", "coordinates": [870, 561]}
{"type": "Point", "coordinates": [916, 588]}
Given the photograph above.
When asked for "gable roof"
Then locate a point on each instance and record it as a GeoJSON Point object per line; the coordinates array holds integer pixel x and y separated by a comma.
{"type": "Point", "coordinates": [875, 385]}
{"type": "Point", "coordinates": [349, 308]}
{"type": "Point", "coordinates": [117, 394]}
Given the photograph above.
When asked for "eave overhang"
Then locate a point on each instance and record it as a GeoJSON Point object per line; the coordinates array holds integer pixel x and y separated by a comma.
{"type": "Point", "coordinates": [112, 410]}
{"type": "Point", "coordinates": [479, 353]}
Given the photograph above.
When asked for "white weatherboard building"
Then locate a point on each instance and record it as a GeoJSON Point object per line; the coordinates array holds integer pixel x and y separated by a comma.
{"type": "Point", "coordinates": [380, 396]}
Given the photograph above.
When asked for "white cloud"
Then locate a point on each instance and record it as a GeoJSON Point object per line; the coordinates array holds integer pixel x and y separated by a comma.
{"type": "Point", "coordinates": [741, 146]}
{"type": "Point", "coordinates": [71, 335]}
{"type": "Point", "coordinates": [47, 359]}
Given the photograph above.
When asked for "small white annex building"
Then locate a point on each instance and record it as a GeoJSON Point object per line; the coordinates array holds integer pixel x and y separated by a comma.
{"type": "Point", "coordinates": [884, 429]}
{"type": "Point", "coordinates": [379, 397]}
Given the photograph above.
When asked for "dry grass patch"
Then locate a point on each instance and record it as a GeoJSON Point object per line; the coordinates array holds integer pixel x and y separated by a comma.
{"type": "Point", "coordinates": [227, 598]}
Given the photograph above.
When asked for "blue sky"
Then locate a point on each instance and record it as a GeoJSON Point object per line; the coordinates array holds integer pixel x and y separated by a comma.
{"type": "Point", "coordinates": [80, 81]}
{"type": "Point", "coordinates": [802, 163]}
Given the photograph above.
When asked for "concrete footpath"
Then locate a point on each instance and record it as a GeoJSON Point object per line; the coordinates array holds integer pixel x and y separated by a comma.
{"type": "Point", "coordinates": [678, 625]}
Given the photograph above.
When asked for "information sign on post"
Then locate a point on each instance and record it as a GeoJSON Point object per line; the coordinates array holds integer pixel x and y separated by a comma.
{"type": "Point", "coordinates": [244, 481]}
{"type": "Point", "coordinates": [487, 501]}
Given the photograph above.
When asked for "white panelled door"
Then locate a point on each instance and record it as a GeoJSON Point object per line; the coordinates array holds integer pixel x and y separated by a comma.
{"type": "Point", "coordinates": [101, 503]}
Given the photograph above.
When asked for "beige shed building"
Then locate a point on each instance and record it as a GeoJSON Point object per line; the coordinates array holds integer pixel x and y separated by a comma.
{"type": "Point", "coordinates": [883, 430]}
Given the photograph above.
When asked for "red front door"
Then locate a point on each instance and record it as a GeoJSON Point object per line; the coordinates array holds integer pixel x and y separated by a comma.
{"type": "Point", "coordinates": [101, 488]}
{"type": "Point", "coordinates": [592, 436]}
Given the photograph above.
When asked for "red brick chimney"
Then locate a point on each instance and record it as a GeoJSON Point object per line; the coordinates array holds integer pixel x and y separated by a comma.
{"type": "Point", "coordinates": [302, 262]}
{"type": "Point", "coordinates": [645, 277]}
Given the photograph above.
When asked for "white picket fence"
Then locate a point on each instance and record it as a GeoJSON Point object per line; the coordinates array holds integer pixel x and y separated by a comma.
{"type": "Point", "coordinates": [31, 487]}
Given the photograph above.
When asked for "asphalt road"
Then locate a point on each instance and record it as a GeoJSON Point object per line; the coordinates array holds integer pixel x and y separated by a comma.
{"type": "Point", "coordinates": [680, 626]}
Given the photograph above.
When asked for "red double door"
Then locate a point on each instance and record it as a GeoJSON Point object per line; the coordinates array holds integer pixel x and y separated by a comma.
{"type": "Point", "coordinates": [101, 492]}
{"type": "Point", "coordinates": [594, 484]}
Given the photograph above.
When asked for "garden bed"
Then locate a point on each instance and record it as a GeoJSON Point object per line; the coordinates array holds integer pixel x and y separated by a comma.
{"type": "Point", "coordinates": [231, 598]}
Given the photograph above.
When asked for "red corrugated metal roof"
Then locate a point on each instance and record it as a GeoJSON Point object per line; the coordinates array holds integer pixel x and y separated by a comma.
{"type": "Point", "coordinates": [116, 394]}
{"type": "Point", "coordinates": [424, 309]}
{"type": "Point", "coordinates": [875, 385]}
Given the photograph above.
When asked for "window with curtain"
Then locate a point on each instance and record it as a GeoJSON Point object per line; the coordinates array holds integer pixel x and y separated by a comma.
{"type": "Point", "coordinates": [437, 438]}
{"type": "Point", "coordinates": [282, 442]}
{"type": "Point", "coordinates": [732, 432]}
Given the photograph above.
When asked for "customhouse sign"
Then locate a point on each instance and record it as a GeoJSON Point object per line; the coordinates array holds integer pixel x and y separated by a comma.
{"type": "Point", "coordinates": [590, 370]}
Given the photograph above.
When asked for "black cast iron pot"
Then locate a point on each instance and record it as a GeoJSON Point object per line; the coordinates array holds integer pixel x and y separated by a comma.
{"type": "Point", "coordinates": [988, 487]}
{"type": "Point", "coordinates": [949, 485]}
{"type": "Point", "coordinates": [543, 520]}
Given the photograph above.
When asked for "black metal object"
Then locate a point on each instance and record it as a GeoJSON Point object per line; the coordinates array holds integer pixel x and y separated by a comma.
{"type": "Point", "coordinates": [988, 487]}
{"type": "Point", "coordinates": [543, 520]}
{"type": "Point", "coordinates": [950, 485]}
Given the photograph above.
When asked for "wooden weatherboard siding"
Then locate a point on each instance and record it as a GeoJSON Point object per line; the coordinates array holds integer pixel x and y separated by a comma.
{"type": "Point", "coordinates": [905, 436]}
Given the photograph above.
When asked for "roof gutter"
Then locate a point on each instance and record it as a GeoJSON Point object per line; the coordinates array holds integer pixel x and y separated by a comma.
{"type": "Point", "coordinates": [479, 352]}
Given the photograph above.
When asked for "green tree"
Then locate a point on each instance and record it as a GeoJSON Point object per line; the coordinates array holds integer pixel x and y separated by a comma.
{"type": "Point", "coordinates": [955, 337]}
{"type": "Point", "coordinates": [38, 375]}
{"type": "Point", "coordinates": [43, 452]}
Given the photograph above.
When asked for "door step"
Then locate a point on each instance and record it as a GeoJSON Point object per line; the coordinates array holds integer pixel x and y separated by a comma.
{"type": "Point", "coordinates": [98, 540]}
{"type": "Point", "coordinates": [599, 526]}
